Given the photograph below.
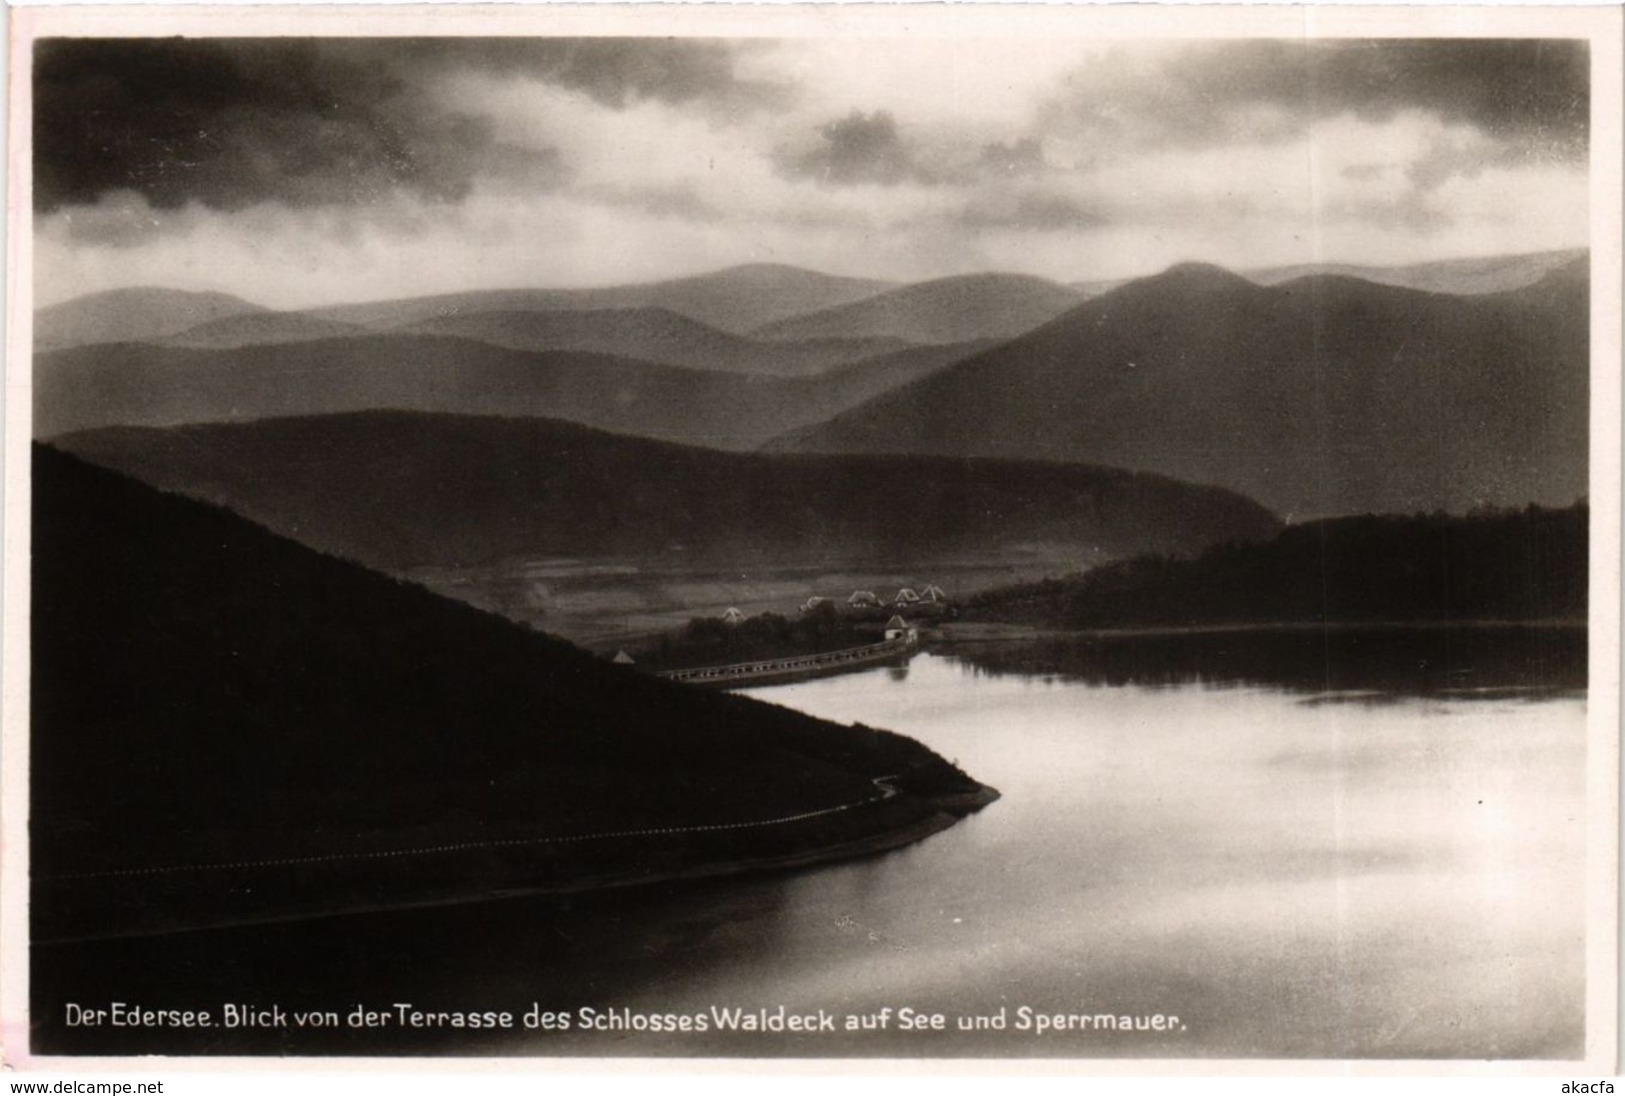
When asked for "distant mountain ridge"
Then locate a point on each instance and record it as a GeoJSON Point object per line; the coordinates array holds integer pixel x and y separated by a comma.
{"type": "Point", "coordinates": [766, 300]}
{"type": "Point", "coordinates": [258, 329]}
{"type": "Point", "coordinates": [736, 299]}
{"type": "Point", "coordinates": [656, 335]}
{"type": "Point", "coordinates": [1463, 277]}
{"type": "Point", "coordinates": [1487, 274]}
{"type": "Point", "coordinates": [397, 491]}
{"type": "Point", "coordinates": [143, 384]}
{"type": "Point", "coordinates": [975, 306]}
{"type": "Point", "coordinates": [132, 315]}
{"type": "Point", "coordinates": [1321, 396]}
{"type": "Point", "coordinates": [733, 300]}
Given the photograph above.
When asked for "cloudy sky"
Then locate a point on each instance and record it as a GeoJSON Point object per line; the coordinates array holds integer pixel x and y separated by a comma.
{"type": "Point", "coordinates": [302, 171]}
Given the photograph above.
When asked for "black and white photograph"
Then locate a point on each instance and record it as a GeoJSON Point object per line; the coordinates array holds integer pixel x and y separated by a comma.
{"type": "Point", "coordinates": [1066, 535]}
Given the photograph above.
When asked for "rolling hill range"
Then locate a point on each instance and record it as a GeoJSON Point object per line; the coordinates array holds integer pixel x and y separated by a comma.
{"type": "Point", "coordinates": [142, 384]}
{"type": "Point", "coordinates": [396, 491]}
{"type": "Point", "coordinates": [261, 731]}
{"type": "Point", "coordinates": [1486, 274]}
{"type": "Point", "coordinates": [656, 335]}
{"type": "Point", "coordinates": [738, 299]}
{"type": "Point", "coordinates": [1492, 274]}
{"type": "Point", "coordinates": [1320, 396]}
{"type": "Point", "coordinates": [975, 306]}
{"type": "Point", "coordinates": [129, 315]}
{"type": "Point", "coordinates": [258, 329]}
{"type": "Point", "coordinates": [727, 302]}
{"type": "Point", "coordinates": [850, 385]}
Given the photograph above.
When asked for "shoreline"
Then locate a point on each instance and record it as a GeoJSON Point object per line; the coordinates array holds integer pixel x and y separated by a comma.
{"type": "Point", "coordinates": [940, 813]}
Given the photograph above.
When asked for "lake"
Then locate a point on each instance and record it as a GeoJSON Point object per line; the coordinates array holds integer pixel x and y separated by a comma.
{"type": "Point", "coordinates": [1245, 859]}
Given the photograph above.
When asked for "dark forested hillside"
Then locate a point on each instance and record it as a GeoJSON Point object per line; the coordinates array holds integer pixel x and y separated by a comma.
{"type": "Point", "coordinates": [398, 490]}
{"type": "Point", "coordinates": [205, 693]}
{"type": "Point", "coordinates": [1529, 564]}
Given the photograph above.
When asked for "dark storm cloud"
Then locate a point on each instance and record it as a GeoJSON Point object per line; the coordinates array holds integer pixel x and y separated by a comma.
{"type": "Point", "coordinates": [1524, 92]}
{"type": "Point", "coordinates": [311, 122]}
{"type": "Point", "coordinates": [860, 148]}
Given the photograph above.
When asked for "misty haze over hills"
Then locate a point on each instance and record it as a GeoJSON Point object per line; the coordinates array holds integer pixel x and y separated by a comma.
{"type": "Point", "coordinates": [661, 336]}
{"type": "Point", "coordinates": [1491, 274]}
{"type": "Point", "coordinates": [258, 329]}
{"type": "Point", "coordinates": [125, 315]}
{"type": "Point", "coordinates": [143, 384]}
{"type": "Point", "coordinates": [738, 299]}
{"type": "Point", "coordinates": [1322, 394]}
{"type": "Point", "coordinates": [768, 300]}
{"type": "Point", "coordinates": [1487, 274]}
{"type": "Point", "coordinates": [973, 306]}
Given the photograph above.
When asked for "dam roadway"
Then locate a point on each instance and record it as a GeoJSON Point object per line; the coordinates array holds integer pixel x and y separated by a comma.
{"type": "Point", "coordinates": [770, 671]}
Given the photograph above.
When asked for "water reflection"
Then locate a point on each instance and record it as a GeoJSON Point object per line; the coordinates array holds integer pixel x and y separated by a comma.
{"type": "Point", "coordinates": [1395, 879]}
{"type": "Point", "coordinates": [1363, 664]}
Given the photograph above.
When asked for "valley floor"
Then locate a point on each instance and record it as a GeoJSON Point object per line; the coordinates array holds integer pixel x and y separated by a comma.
{"type": "Point", "coordinates": [605, 605]}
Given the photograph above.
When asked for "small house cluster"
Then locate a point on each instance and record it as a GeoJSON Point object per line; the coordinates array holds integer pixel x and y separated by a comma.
{"type": "Point", "coordinates": [931, 600]}
{"type": "Point", "coordinates": [868, 599]}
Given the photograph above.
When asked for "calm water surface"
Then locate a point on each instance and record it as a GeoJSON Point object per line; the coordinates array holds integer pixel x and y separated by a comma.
{"type": "Point", "coordinates": [1291, 873]}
